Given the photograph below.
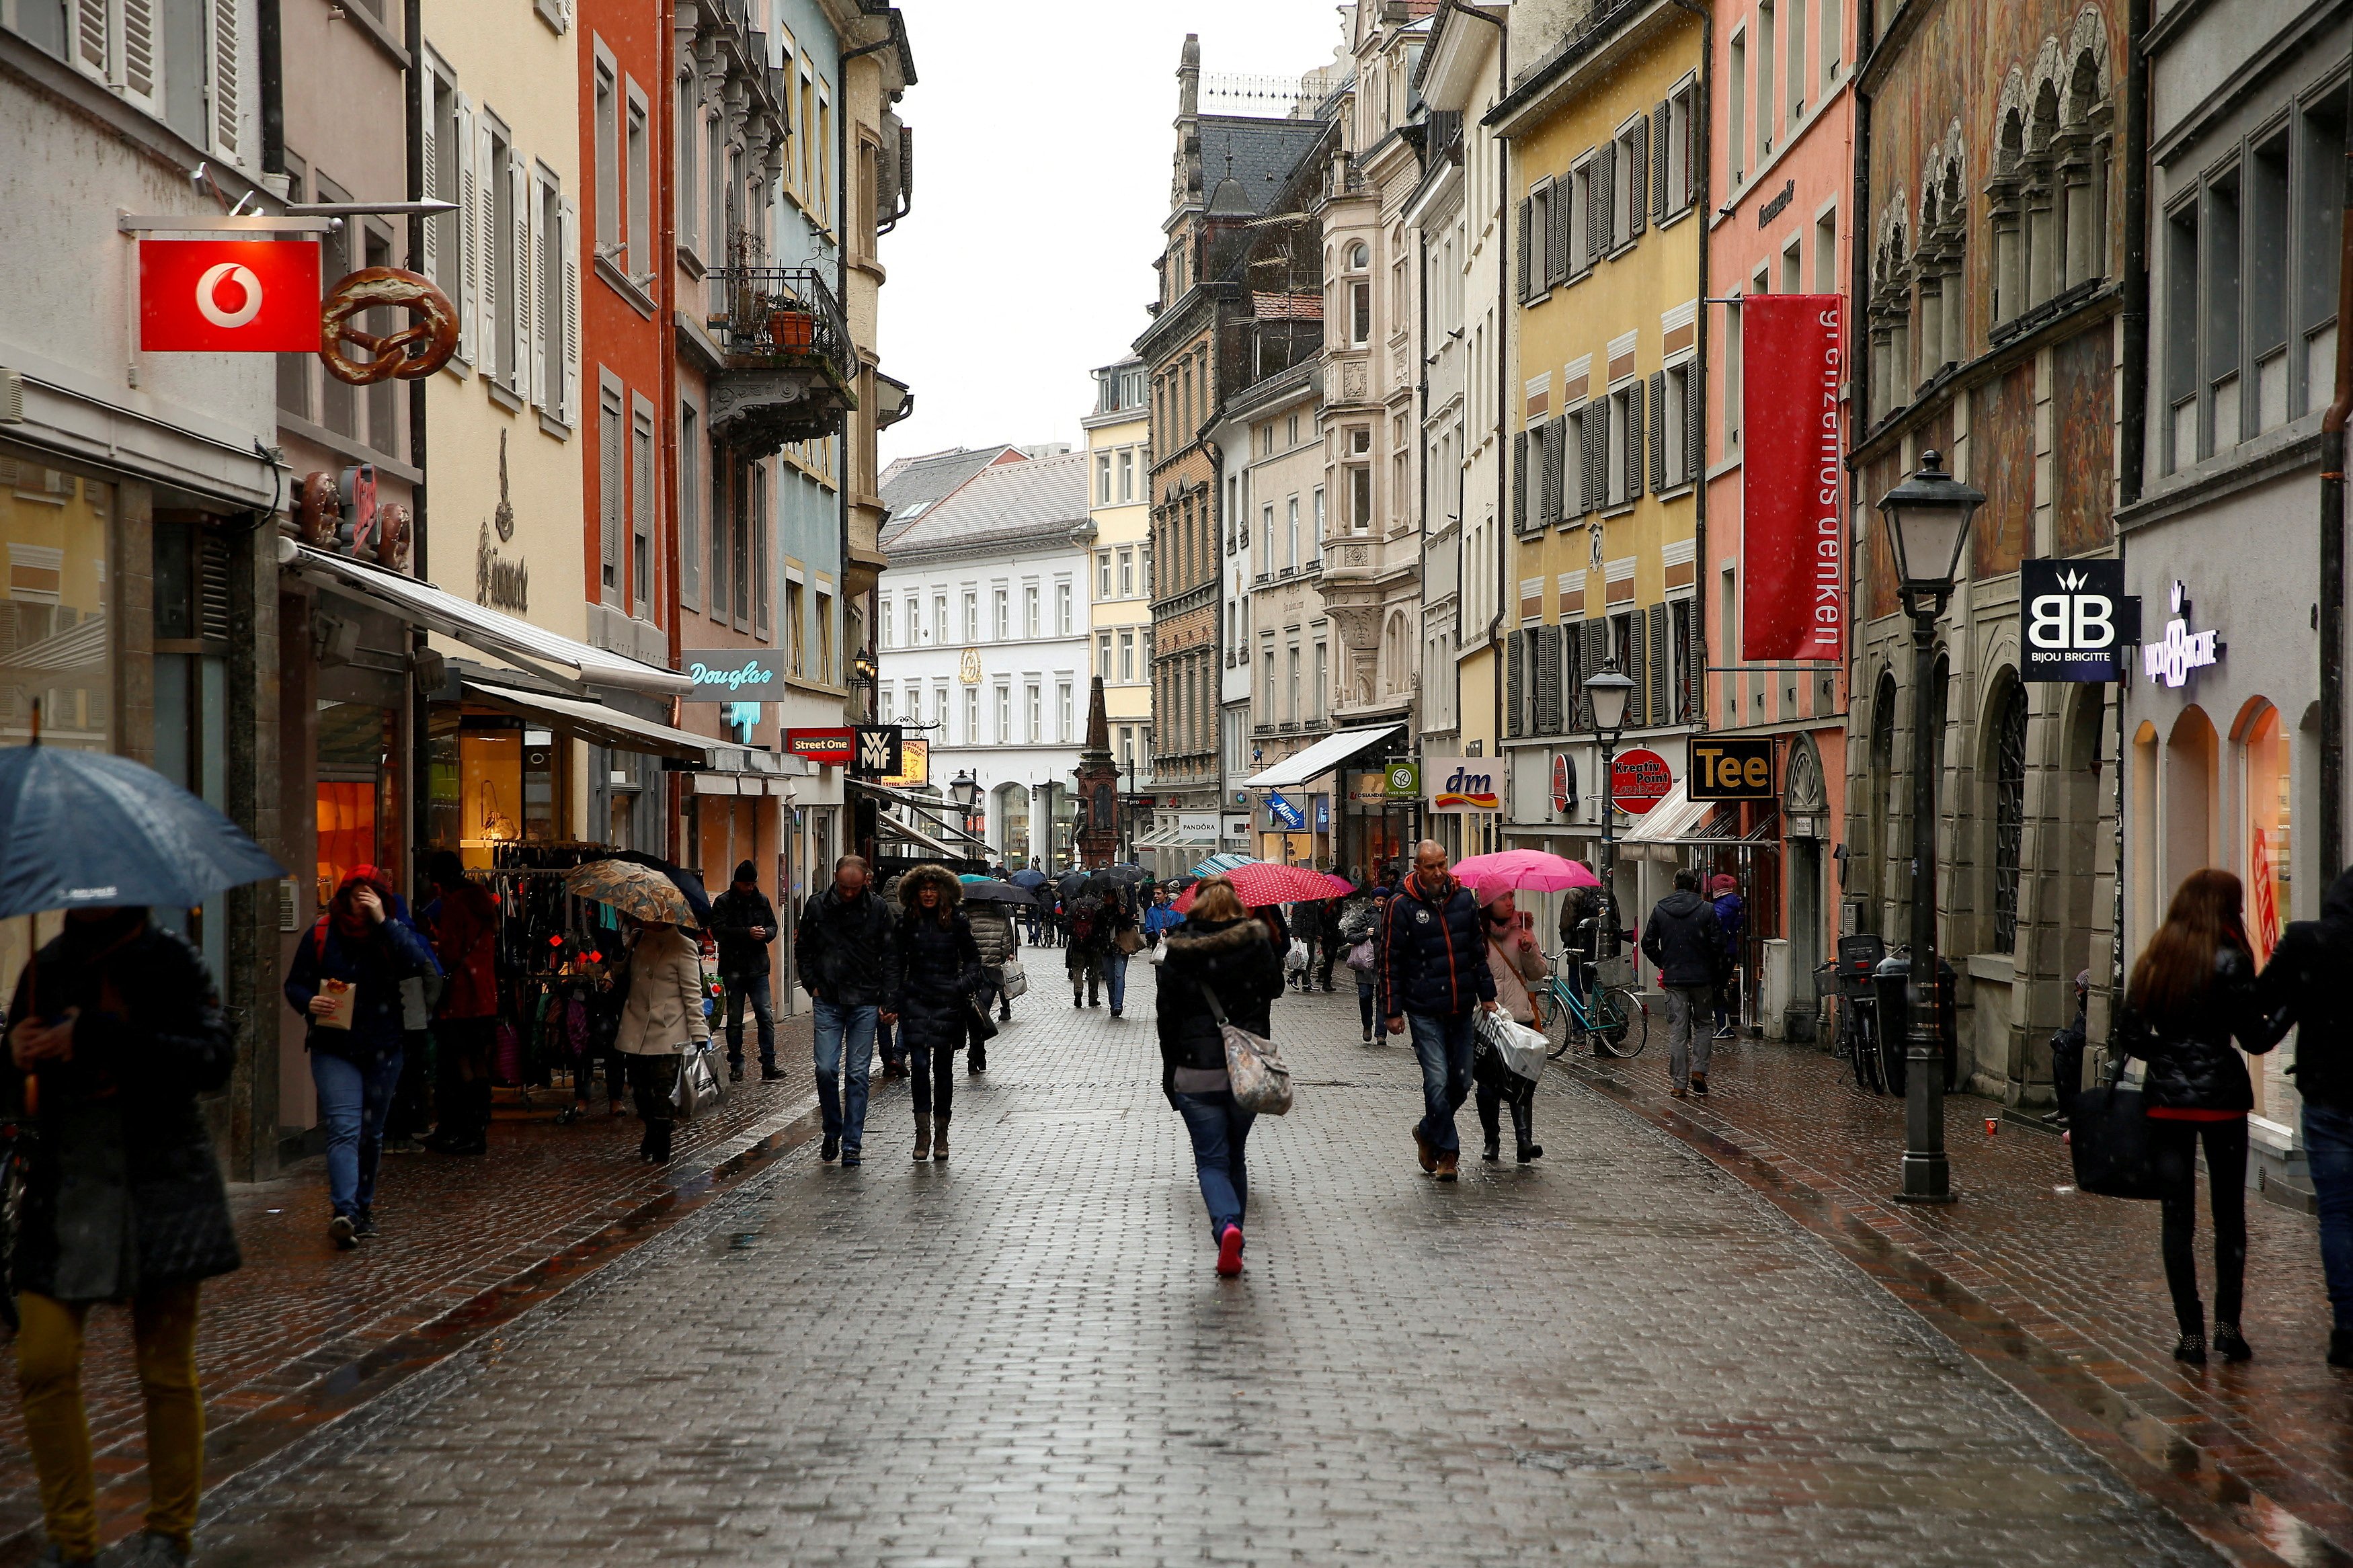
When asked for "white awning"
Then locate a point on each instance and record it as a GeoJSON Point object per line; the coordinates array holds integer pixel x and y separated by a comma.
{"type": "Point", "coordinates": [603, 726]}
{"type": "Point", "coordinates": [888, 827]}
{"type": "Point", "coordinates": [1320, 758]}
{"type": "Point", "coordinates": [934, 813]}
{"type": "Point", "coordinates": [1671, 821]}
{"type": "Point", "coordinates": [527, 646]}
{"type": "Point", "coordinates": [1173, 838]}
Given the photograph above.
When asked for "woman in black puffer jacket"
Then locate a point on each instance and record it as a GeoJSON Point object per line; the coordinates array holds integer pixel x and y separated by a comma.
{"type": "Point", "coordinates": [1223, 951]}
{"type": "Point", "coordinates": [2192, 990]}
{"type": "Point", "coordinates": [940, 969]}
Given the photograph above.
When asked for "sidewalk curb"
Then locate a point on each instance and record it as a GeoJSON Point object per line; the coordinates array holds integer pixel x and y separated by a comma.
{"type": "Point", "coordinates": [2104, 1406]}
{"type": "Point", "coordinates": [256, 1446]}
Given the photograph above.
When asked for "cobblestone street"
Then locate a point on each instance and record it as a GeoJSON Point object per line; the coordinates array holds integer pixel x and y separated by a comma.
{"type": "Point", "coordinates": [1621, 1354]}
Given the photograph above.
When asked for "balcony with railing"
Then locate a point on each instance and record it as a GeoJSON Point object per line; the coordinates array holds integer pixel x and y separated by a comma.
{"type": "Point", "coordinates": [791, 369]}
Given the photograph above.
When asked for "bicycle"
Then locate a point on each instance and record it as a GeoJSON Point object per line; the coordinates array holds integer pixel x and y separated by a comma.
{"type": "Point", "coordinates": [16, 1160]}
{"type": "Point", "coordinates": [1614, 1018]}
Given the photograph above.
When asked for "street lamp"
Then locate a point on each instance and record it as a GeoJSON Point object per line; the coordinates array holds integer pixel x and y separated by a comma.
{"type": "Point", "coordinates": [1608, 689]}
{"type": "Point", "coordinates": [964, 790]}
{"type": "Point", "coordinates": [1927, 524]}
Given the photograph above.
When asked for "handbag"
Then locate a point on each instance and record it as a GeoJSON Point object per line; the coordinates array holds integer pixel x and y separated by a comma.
{"type": "Point", "coordinates": [1254, 1068]}
{"type": "Point", "coordinates": [1012, 981]}
{"type": "Point", "coordinates": [979, 1025]}
{"type": "Point", "coordinates": [1129, 941]}
{"type": "Point", "coordinates": [2116, 1149]}
{"type": "Point", "coordinates": [698, 1087]}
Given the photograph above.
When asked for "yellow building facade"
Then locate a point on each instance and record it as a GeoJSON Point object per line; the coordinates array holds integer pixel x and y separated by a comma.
{"type": "Point", "coordinates": [1604, 409]}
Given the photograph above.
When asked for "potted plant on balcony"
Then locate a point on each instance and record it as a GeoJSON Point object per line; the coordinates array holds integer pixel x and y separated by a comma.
{"type": "Point", "coordinates": [791, 328]}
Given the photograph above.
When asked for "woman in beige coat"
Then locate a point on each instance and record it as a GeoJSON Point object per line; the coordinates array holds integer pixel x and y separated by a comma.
{"type": "Point", "coordinates": [664, 1012]}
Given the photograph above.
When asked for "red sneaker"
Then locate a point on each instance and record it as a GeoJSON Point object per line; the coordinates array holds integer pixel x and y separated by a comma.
{"type": "Point", "coordinates": [1230, 1252]}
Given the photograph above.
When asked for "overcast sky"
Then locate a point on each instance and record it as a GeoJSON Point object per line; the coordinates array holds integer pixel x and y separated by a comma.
{"type": "Point", "coordinates": [1042, 158]}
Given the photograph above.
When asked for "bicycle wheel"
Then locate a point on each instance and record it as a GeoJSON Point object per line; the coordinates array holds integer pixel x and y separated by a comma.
{"type": "Point", "coordinates": [1622, 1024]}
{"type": "Point", "coordinates": [12, 1212]}
{"type": "Point", "coordinates": [1862, 1044]}
{"type": "Point", "coordinates": [1892, 1045]}
{"type": "Point", "coordinates": [1557, 1024]}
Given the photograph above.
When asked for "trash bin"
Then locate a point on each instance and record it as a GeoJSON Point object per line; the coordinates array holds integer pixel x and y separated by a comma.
{"type": "Point", "coordinates": [1892, 979]}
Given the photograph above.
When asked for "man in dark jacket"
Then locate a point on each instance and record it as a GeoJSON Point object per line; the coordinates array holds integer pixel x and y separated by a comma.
{"type": "Point", "coordinates": [2310, 976]}
{"type": "Point", "coordinates": [846, 952]}
{"type": "Point", "coordinates": [746, 923]}
{"type": "Point", "coordinates": [1434, 974]}
{"type": "Point", "coordinates": [1330, 946]}
{"type": "Point", "coordinates": [1686, 942]}
{"type": "Point", "coordinates": [121, 1026]}
{"type": "Point", "coordinates": [462, 922]}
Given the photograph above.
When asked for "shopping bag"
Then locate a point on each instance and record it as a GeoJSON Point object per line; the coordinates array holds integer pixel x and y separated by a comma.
{"type": "Point", "coordinates": [1255, 1070]}
{"type": "Point", "coordinates": [1519, 1048]}
{"type": "Point", "coordinates": [2116, 1149]}
{"type": "Point", "coordinates": [1014, 982]}
{"type": "Point", "coordinates": [698, 1089]}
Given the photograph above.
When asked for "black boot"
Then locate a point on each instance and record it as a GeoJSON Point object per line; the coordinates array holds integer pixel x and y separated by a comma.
{"type": "Point", "coordinates": [2340, 1347]}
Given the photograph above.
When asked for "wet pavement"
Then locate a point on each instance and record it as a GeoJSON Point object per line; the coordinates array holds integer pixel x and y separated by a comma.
{"type": "Point", "coordinates": [1631, 1351]}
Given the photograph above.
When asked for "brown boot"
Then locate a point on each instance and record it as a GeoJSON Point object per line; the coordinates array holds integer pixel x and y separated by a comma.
{"type": "Point", "coordinates": [922, 1137]}
{"type": "Point", "coordinates": [940, 1139]}
{"type": "Point", "coordinates": [1446, 1171]}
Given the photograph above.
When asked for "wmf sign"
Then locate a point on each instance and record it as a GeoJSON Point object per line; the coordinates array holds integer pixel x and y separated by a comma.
{"type": "Point", "coordinates": [880, 753]}
{"type": "Point", "coordinates": [2077, 619]}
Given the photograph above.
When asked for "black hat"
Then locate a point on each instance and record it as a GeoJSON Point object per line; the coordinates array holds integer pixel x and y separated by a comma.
{"type": "Point", "coordinates": [746, 873]}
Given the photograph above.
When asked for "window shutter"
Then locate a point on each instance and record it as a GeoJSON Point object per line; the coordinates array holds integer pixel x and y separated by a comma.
{"type": "Point", "coordinates": [609, 482]}
{"type": "Point", "coordinates": [138, 41]}
{"type": "Point", "coordinates": [463, 232]}
{"type": "Point", "coordinates": [430, 262]}
{"type": "Point", "coordinates": [1695, 660]}
{"type": "Point", "coordinates": [1659, 665]}
{"type": "Point", "coordinates": [1662, 130]}
{"type": "Point", "coordinates": [1516, 677]}
{"type": "Point", "coordinates": [1638, 177]}
{"type": "Point", "coordinates": [226, 79]}
{"type": "Point", "coordinates": [486, 246]}
{"type": "Point", "coordinates": [641, 522]}
{"type": "Point", "coordinates": [1659, 416]}
{"type": "Point", "coordinates": [568, 225]}
{"type": "Point", "coordinates": [525, 304]}
{"type": "Point", "coordinates": [1636, 707]}
{"type": "Point", "coordinates": [1556, 467]}
{"type": "Point", "coordinates": [1694, 420]}
{"type": "Point", "coordinates": [1590, 636]}
{"type": "Point", "coordinates": [1556, 235]}
{"type": "Point", "coordinates": [1588, 496]}
{"type": "Point", "coordinates": [1597, 420]}
{"type": "Point", "coordinates": [88, 45]}
{"type": "Point", "coordinates": [1634, 441]}
{"type": "Point", "coordinates": [1596, 207]}
{"type": "Point", "coordinates": [1520, 482]}
{"type": "Point", "coordinates": [1527, 286]}
{"type": "Point", "coordinates": [1690, 154]}
{"type": "Point", "coordinates": [532, 373]}
{"type": "Point", "coordinates": [1547, 641]}
{"type": "Point", "coordinates": [1605, 191]}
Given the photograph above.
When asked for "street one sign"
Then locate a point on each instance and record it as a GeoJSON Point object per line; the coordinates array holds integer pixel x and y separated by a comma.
{"type": "Point", "coordinates": [1732, 770]}
{"type": "Point", "coordinates": [731, 674]}
{"type": "Point", "coordinates": [878, 751]}
{"type": "Point", "coordinates": [2076, 619]}
{"type": "Point", "coordinates": [228, 296]}
{"type": "Point", "coordinates": [1640, 780]}
{"type": "Point", "coordinates": [833, 747]}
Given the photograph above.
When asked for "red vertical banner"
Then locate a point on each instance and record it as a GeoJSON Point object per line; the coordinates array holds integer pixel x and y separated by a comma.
{"type": "Point", "coordinates": [1793, 591]}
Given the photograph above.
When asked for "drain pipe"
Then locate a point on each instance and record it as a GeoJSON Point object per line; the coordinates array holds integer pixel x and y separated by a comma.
{"type": "Point", "coordinates": [2332, 560]}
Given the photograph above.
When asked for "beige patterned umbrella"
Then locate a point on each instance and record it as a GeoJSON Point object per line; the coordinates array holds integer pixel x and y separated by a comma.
{"type": "Point", "coordinates": [638, 891]}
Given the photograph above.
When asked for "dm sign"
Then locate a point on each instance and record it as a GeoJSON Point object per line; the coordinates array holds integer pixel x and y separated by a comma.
{"type": "Point", "coordinates": [2076, 619]}
{"type": "Point", "coordinates": [1732, 770]}
{"type": "Point", "coordinates": [1461, 789]}
{"type": "Point", "coordinates": [732, 674]}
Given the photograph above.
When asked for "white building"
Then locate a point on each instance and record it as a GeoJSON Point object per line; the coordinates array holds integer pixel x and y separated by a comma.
{"type": "Point", "coordinates": [983, 649]}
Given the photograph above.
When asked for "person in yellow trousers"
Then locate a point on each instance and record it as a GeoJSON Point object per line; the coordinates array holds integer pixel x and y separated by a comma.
{"type": "Point", "coordinates": [114, 1029]}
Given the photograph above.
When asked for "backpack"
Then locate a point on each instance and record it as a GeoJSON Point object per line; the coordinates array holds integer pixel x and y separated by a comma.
{"type": "Point", "coordinates": [1082, 919]}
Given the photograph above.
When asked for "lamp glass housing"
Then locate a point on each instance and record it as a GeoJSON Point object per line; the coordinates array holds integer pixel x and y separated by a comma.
{"type": "Point", "coordinates": [1929, 517]}
{"type": "Point", "coordinates": [1609, 690]}
{"type": "Point", "coordinates": [965, 791]}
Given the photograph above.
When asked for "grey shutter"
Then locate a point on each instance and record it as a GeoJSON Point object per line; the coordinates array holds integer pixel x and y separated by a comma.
{"type": "Point", "coordinates": [1605, 196]}
{"type": "Point", "coordinates": [1661, 666]}
{"type": "Point", "coordinates": [1572, 673]}
{"type": "Point", "coordinates": [1520, 482]}
{"type": "Point", "coordinates": [1516, 677]}
{"type": "Point", "coordinates": [1638, 177]}
{"type": "Point", "coordinates": [1597, 420]}
{"type": "Point", "coordinates": [1527, 285]}
{"type": "Point", "coordinates": [609, 482]}
{"type": "Point", "coordinates": [1696, 662]}
{"type": "Point", "coordinates": [1554, 455]}
{"type": "Point", "coordinates": [1589, 449]}
{"type": "Point", "coordinates": [1662, 129]}
{"type": "Point", "coordinates": [1547, 641]}
{"type": "Point", "coordinates": [1557, 233]}
{"type": "Point", "coordinates": [1634, 441]}
{"type": "Point", "coordinates": [1596, 203]}
{"type": "Point", "coordinates": [1694, 420]}
{"type": "Point", "coordinates": [1595, 636]}
{"type": "Point", "coordinates": [1637, 651]}
{"type": "Point", "coordinates": [1659, 417]}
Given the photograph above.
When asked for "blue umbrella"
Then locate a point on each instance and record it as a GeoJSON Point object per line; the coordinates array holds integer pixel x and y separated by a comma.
{"type": "Point", "coordinates": [87, 830]}
{"type": "Point", "coordinates": [1030, 878]}
{"type": "Point", "coordinates": [1222, 862]}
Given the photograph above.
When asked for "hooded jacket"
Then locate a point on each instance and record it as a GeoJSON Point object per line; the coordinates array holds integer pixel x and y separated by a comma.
{"type": "Point", "coordinates": [1234, 959]}
{"type": "Point", "coordinates": [1684, 940]}
{"type": "Point", "coordinates": [1433, 951]}
{"type": "Point", "coordinates": [847, 949]}
{"type": "Point", "coordinates": [2310, 977]}
{"type": "Point", "coordinates": [393, 950]}
{"type": "Point", "coordinates": [2191, 1067]}
{"type": "Point", "coordinates": [733, 915]}
{"type": "Point", "coordinates": [992, 930]}
{"type": "Point", "coordinates": [939, 963]}
{"type": "Point", "coordinates": [122, 1192]}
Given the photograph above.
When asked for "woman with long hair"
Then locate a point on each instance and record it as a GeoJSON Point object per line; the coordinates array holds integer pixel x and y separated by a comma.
{"type": "Point", "coordinates": [663, 1015]}
{"type": "Point", "coordinates": [939, 971]}
{"type": "Point", "coordinates": [1220, 951]}
{"type": "Point", "coordinates": [2192, 990]}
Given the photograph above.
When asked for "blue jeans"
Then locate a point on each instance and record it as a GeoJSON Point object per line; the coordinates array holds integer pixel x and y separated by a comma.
{"type": "Point", "coordinates": [839, 1028]}
{"type": "Point", "coordinates": [353, 1102]}
{"type": "Point", "coordinates": [1114, 978]}
{"type": "Point", "coordinates": [1443, 1043]}
{"type": "Point", "coordinates": [1219, 1127]}
{"type": "Point", "coordinates": [751, 988]}
{"type": "Point", "coordinates": [2329, 1144]}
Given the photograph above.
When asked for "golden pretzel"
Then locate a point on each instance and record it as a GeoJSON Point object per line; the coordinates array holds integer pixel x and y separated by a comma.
{"type": "Point", "coordinates": [414, 352]}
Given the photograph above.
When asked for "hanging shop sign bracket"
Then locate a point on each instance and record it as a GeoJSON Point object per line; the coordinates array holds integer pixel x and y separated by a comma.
{"type": "Point", "coordinates": [243, 223]}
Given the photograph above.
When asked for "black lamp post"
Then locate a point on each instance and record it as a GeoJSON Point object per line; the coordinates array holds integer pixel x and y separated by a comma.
{"type": "Point", "coordinates": [1928, 525]}
{"type": "Point", "coordinates": [1608, 689]}
{"type": "Point", "coordinates": [964, 790]}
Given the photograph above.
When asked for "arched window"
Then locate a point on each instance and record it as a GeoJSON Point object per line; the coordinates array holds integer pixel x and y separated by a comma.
{"type": "Point", "coordinates": [2009, 811]}
{"type": "Point", "coordinates": [1360, 256]}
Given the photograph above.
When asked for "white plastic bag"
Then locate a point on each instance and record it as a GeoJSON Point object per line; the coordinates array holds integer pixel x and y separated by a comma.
{"type": "Point", "coordinates": [1522, 1048]}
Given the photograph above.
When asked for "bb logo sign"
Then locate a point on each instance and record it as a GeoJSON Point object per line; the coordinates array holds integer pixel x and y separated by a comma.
{"type": "Point", "coordinates": [2076, 619]}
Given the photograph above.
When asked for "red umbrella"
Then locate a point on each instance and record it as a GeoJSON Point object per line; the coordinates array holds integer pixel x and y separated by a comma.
{"type": "Point", "coordinates": [1260, 883]}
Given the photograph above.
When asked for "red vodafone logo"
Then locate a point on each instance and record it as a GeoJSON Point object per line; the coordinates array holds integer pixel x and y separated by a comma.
{"type": "Point", "coordinates": [228, 296]}
{"type": "Point", "coordinates": [1640, 780]}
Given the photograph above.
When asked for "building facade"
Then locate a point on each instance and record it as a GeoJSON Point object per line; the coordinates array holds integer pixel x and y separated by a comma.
{"type": "Point", "coordinates": [1119, 609]}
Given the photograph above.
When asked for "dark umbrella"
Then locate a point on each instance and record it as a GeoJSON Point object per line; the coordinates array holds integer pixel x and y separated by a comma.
{"type": "Point", "coordinates": [1178, 884]}
{"type": "Point", "coordinates": [989, 892]}
{"type": "Point", "coordinates": [1125, 873]}
{"type": "Point", "coordinates": [1028, 877]}
{"type": "Point", "coordinates": [685, 881]}
{"type": "Point", "coordinates": [87, 830]}
{"type": "Point", "coordinates": [1070, 884]}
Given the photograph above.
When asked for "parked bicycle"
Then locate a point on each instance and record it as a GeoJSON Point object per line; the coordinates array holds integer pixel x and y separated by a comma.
{"type": "Point", "coordinates": [1612, 1019]}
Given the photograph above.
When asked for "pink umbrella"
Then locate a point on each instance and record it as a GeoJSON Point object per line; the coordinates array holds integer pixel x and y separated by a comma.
{"type": "Point", "coordinates": [1534, 869]}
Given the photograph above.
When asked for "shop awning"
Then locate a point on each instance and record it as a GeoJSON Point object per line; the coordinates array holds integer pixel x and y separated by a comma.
{"type": "Point", "coordinates": [890, 828]}
{"type": "Point", "coordinates": [527, 646]}
{"type": "Point", "coordinates": [930, 813]}
{"type": "Point", "coordinates": [1671, 821]}
{"type": "Point", "coordinates": [1175, 839]}
{"type": "Point", "coordinates": [1320, 758]}
{"type": "Point", "coordinates": [604, 726]}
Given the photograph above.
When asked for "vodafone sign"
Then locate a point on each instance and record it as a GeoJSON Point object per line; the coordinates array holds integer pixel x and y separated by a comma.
{"type": "Point", "coordinates": [228, 296]}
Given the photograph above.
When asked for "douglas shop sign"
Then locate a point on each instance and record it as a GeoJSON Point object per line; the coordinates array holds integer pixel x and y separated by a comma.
{"type": "Point", "coordinates": [731, 674]}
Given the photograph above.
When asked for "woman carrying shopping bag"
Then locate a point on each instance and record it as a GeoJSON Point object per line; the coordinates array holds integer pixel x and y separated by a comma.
{"type": "Point", "coordinates": [1516, 960]}
{"type": "Point", "coordinates": [2192, 990]}
{"type": "Point", "coordinates": [663, 1015]}
{"type": "Point", "coordinates": [1220, 961]}
{"type": "Point", "coordinates": [939, 972]}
